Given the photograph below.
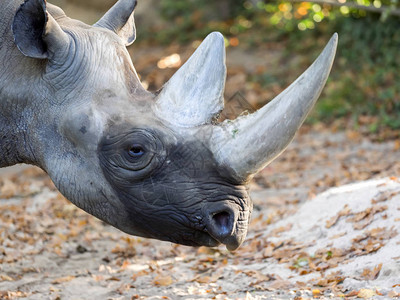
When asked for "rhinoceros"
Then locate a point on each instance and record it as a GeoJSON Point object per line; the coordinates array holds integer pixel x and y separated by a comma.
{"type": "Point", "coordinates": [156, 165]}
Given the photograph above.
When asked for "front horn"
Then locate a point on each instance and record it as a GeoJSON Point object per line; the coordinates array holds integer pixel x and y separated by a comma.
{"type": "Point", "coordinates": [249, 143]}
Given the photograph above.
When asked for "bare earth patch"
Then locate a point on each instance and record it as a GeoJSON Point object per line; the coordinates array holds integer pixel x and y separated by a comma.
{"type": "Point", "coordinates": [343, 242]}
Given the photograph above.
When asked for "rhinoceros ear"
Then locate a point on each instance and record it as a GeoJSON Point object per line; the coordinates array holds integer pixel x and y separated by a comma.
{"type": "Point", "coordinates": [36, 33]}
{"type": "Point", "coordinates": [120, 19]}
{"type": "Point", "coordinates": [195, 94]}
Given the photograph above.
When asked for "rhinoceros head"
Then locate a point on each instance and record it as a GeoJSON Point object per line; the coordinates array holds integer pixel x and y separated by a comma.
{"type": "Point", "coordinates": [151, 164]}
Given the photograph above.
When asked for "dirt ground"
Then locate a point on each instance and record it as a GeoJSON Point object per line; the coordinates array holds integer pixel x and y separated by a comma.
{"type": "Point", "coordinates": [49, 249]}
{"type": "Point", "coordinates": [301, 243]}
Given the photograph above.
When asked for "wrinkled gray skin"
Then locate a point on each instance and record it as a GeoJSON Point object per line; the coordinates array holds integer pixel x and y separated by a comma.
{"type": "Point", "coordinates": [72, 104]}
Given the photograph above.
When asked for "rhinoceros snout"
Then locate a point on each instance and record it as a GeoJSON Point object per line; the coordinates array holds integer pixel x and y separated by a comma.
{"type": "Point", "coordinates": [222, 225]}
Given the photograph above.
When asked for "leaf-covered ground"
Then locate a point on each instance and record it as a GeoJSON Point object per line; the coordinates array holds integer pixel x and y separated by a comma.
{"type": "Point", "coordinates": [299, 246]}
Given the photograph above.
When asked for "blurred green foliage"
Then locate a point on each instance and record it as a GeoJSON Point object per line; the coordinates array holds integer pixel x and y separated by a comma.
{"type": "Point", "coordinates": [366, 77]}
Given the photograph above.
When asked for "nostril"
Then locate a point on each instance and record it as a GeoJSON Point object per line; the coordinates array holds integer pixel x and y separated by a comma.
{"type": "Point", "coordinates": [223, 222]}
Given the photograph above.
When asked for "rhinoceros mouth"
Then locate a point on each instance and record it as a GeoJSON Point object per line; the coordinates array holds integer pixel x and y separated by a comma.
{"type": "Point", "coordinates": [202, 238]}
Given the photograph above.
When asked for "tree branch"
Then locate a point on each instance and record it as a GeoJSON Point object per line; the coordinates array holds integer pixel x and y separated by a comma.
{"type": "Point", "coordinates": [383, 9]}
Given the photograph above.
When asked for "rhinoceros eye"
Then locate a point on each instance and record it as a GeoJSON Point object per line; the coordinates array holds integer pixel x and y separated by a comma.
{"type": "Point", "coordinates": [131, 155]}
{"type": "Point", "coordinates": [136, 151]}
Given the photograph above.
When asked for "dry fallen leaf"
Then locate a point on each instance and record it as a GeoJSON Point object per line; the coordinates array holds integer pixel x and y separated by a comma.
{"type": "Point", "coordinates": [280, 284]}
{"type": "Point", "coordinates": [281, 229]}
{"type": "Point", "coordinates": [203, 279]}
{"type": "Point", "coordinates": [352, 293]}
{"type": "Point", "coordinates": [372, 274]}
{"type": "Point", "coordinates": [249, 296]}
{"type": "Point", "coordinates": [139, 274]}
{"type": "Point", "coordinates": [8, 189]}
{"type": "Point", "coordinates": [4, 277]}
{"type": "Point", "coordinates": [316, 292]}
{"type": "Point", "coordinates": [163, 280]}
{"type": "Point", "coordinates": [366, 293]}
{"type": "Point", "coordinates": [332, 221]}
{"type": "Point", "coordinates": [384, 196]}
{"type": "Point", "coordinates": [98, 278]}
{"type": "Point", "coordinates": [393, 294]}
{"type": "Point", "coordinates": [113, 278]}
{"type": "Point", "coordinates": [63, 279]}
